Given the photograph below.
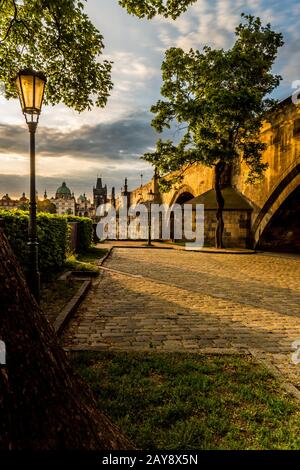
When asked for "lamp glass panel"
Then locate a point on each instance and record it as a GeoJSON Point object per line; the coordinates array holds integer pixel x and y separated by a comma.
{"type": "Point", "coordinates": [39, 93]}
{"type": "Point", "coordinates": [27, 84]}
{"type": "Point", "coordinates": [18, 83]}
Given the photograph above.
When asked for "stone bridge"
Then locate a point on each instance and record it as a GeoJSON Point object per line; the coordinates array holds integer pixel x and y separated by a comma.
{"type": "Point", "coordinates": [272, 205]}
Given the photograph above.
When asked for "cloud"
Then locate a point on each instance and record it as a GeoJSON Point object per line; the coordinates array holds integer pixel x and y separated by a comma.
{"type": "Point", "coordinates": [128, 65]}
{"type": "Point", "coordinates": [125, 139]}
{"type": "Point", "coordinates": [205, 23]}
{"type": "Point", "coordinates": [112, 149]}
{"type": "Point", "coordinates": [213, 22]}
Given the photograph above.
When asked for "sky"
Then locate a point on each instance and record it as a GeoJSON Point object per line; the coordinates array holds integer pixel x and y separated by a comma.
{"type": "Point", "coordinates": [110, 141]}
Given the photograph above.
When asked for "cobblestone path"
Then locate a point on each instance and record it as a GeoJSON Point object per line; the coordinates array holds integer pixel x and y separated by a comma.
{"type": "Point", "coordinates": [169, 300]}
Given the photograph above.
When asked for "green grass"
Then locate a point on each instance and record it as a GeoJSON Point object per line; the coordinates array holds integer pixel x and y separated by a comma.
{"type": "Point", "coordinates": [92, 255]}
{"type": "Point", "coordinates": [86, 261]}
{"type": "Point", "coordinates": [192, 402]}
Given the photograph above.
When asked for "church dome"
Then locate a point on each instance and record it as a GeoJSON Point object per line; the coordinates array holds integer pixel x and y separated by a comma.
{"type": "Point", "coordinates": [23, 198]}
{"type": "Point", "coordinates": [82, 198]}
{"type": "Point", "coordinates": [63, 191]}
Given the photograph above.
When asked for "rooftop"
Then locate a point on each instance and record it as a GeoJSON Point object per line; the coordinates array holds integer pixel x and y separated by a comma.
{"type": "Point", "coordinates": [233, 200]}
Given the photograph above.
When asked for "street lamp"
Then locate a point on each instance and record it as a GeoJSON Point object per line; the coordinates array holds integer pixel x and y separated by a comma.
{"type": "Point", "coordinates": [31, 87]}
{"type": "Point", "coordinates": [151, 196]}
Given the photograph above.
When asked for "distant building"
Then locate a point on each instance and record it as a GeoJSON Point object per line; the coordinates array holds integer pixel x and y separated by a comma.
{"type": "Point", "coordinates": [46, 205]}
{"type": "Point", "coordinates": [100, 193]}
{"type": "Point", "coordinates": [24, 199]}
{"type": "Point", "coordinates": [84, 207]}
{"type": "Point", "coordinates": [124, 193]}
{"type": "Point", "coordinates": [113, 197]}
{"type": "Point", "coordinates": [64, 200]}
{"type": "Point", "coordinates": [7, 203]}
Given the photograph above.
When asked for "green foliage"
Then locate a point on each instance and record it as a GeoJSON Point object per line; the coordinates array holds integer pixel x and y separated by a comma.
{"type": "Point", "coordinates": [15, 224]}
{"type": "Point", "coordinates": [58, 38]}
{"type": "Point", "coordinates": [74, 264]}
{"type": "Point", "coordinates": [52, 236]}
{"type": "Point", "coordinates": [92, 255]}
{"type": "Point", "coordinates": [87, 260]}
{"type": "Point", "coordinates": [53, 241]}
{"type": "Point", "coordinates": [46, 206]}
{"type": "Point", "coordinates": [85, 231]}
{"type": "Point", "coordinates": [151, 8]}
{"type": "Point", "coordinates": [219, 100]}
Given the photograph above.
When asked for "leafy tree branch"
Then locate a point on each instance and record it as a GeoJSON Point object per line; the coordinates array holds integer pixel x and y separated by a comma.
{"type": "Point", "coordinates": [222, 97]}
{"type": "Point", "coordinates": [150, 8]}
{"type": "Point", "coordinates": [58, 38]}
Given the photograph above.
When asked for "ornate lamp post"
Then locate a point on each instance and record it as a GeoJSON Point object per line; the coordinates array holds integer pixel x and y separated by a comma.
{"type": "Point", "coordinates": [151, 196]}
{"type": "Point", "coordinates": [31, 87]}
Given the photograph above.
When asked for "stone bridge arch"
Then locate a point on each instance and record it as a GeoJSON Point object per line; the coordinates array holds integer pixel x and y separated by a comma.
{"type": "Point", "coordinates": [177, 196]}
{"type": "Point", "coordinates": [289, 182]}
{"type": "Point", "coordinates": [183, 195]}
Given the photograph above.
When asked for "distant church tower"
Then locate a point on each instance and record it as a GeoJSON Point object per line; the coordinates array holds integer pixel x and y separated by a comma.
{"type": "Point", "coordinates": [113, 197]}
{"type": "Point", "coordinates": [125, 190]}
{"type": "Point", "coordinates": [100, 193]}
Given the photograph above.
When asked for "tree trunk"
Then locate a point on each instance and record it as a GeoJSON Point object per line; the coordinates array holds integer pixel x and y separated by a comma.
{"type": "Point", "coordinates": [44, 405]}
{"type": "Point", "coordinates": [219, 168]}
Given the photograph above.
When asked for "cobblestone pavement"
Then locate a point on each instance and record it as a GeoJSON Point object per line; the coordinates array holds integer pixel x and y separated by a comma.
{"type": "Point", "coordinates": [167, 300]}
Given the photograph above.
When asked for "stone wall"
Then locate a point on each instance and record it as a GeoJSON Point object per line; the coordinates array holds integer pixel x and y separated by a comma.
{"type": "Point", "coordinates": [236, 232]}
{"type": "Point", "coordinates": [282, 137]}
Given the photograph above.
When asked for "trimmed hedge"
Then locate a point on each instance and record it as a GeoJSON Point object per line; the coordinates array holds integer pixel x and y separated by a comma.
{"type": "Point", "coordinates": [16, 229]}
{"type": "Point", "coordinates": [53, 240]}
{"type": "Point", "coordinates": [52, 236]}
{"type": "Point", "coordinates": [85, 231]}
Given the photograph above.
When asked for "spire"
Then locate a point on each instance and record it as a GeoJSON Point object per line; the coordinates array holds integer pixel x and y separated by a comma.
{"type": "Point", "coordinates": [125, 186]}
{"type": "Point", "coordinates": [45, 194]}
{"type": "Point", "coordinates": [99, 183]}
{"type": "Point", "coordinates": [155, 182]}
{"type": "Point", "coordinates": [113, 197]}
